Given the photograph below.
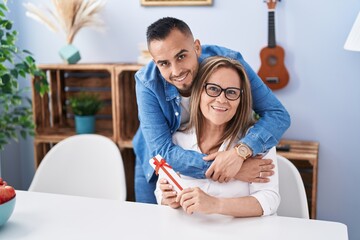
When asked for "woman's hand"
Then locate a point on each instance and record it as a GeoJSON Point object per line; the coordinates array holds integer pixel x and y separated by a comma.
{"type": "Point", "coordinates": [195, 200]}
{"type": "Point", "coordinates": [256, 170]}
{"type": "Point", "coordinates": [168, 194]}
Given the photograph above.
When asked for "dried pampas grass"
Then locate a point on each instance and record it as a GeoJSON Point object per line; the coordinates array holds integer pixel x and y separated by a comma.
{"type": "Point", "coordinates": [69, 15]}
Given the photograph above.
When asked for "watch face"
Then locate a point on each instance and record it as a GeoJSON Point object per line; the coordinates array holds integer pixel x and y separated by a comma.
{"type": "Point", "coordinates": [243, 151]}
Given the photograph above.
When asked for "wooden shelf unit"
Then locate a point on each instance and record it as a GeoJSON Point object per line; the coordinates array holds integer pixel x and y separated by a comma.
{"type": "Point", "coordinates": [114, 83]}
{"type": "Point", "coordinates": [304, 155]}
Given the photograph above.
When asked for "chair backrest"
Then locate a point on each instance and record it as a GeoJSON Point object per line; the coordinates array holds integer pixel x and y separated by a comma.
{"type": "Point", "coordinates": [292, 191]}
{"type": "Point", "coordinates": [87, 165]}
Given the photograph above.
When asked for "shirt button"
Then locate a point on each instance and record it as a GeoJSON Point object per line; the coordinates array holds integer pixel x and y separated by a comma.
{"type": "Point", "coordinates": [148, 174]}
{"type": "Point", "coordinates": [177, 97]}
{"type": "Point", "coordinates": [176, 114]}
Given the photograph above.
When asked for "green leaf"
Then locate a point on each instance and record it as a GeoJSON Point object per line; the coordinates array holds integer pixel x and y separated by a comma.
{"type": "Point", "coordinates": [27, 52]}
{"type": "Point", "coordinates": [22, 73]}
{"type": "Point", "coordinates": [6, 78]}
{"type": "Point", "coordinates": [8, 25]}
{"type": "Point", "coordinates": [14, 72]}
{"type": "Point", "coordinates": [3, 7]}
{"type": "Point", "coordinates": [30, 60]}
{"type": "Point", "coordinates": [23, 134]}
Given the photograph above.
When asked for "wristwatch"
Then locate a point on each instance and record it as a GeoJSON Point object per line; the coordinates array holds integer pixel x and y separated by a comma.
{"type": "Point", "coordinates": [243, 151]}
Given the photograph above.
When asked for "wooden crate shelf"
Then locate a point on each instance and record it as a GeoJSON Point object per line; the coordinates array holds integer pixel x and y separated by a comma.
{"type": "Point", "coordinates": [115, 85]}
{"type": "Point", "coordinates": [52, 113]}
{"type": "Point", "coordinates": [304, 155]}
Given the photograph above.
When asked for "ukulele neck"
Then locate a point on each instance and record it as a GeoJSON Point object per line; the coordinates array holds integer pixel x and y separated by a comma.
{"type": "Point", "coordinates": [271, 29]}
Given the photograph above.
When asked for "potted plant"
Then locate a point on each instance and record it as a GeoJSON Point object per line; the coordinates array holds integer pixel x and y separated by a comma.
{"type": "Point", "coordinates": [85, 106]}
{"type": "Point", "coordinates": [15, 65]}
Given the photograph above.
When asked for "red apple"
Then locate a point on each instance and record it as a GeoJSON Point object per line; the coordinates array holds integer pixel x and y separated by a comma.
{"type": "Point", "coordinates": [6, 193]}
{"type": "Point", "coordinates": [2, 182]}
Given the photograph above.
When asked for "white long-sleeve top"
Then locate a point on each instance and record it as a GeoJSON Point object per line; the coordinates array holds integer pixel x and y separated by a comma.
{"type": "Point", "coordinates": [266, 193]}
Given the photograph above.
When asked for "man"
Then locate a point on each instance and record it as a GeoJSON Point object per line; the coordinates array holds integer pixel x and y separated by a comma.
{"type": "Point", "coordinates": [163, 88]}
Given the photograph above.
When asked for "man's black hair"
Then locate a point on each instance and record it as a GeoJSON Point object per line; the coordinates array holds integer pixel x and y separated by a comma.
{"type": "Point", "coordinates": [160, 29]}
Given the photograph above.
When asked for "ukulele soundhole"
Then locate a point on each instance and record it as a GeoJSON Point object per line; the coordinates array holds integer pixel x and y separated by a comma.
{"type": "Point", "coordinates": [272, 60]}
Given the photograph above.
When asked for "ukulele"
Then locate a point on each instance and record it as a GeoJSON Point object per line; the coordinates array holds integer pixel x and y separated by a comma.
{"type": "Point", "coordinates": [272, 69]}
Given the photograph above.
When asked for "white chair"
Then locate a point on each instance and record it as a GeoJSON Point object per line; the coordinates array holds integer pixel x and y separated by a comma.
{"type": "Point", "coordinates": [87, 165]}
{"type": "Point", "coordinates": [292, 191]}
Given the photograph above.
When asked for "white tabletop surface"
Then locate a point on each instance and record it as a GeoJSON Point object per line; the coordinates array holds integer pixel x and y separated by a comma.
{"type": "Point", "coordinates": [49, 216]}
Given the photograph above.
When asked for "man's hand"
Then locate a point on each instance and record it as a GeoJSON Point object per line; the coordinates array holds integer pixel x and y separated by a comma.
{"type": "Point", "coordinates": [256, 170]}
{"type": "Point", "coordinates": [168, 194]}
{"type": "Point", "coordinates": [225, 166]}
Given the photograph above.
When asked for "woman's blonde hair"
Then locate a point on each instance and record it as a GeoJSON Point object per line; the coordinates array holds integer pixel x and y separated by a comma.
{"type": "Point", "coordinates": [243, 117]}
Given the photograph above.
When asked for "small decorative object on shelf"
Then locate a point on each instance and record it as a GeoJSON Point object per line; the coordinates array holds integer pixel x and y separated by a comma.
{"type": "Point", "coordinates": [84, 107]}
{"type": "Point", "coordinates": [70, 54]}
{"type": "Point", "coordinates": [70, 17]}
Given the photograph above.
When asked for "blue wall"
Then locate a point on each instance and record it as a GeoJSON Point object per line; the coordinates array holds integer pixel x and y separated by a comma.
{"type": "Point", "coordinates": [322, 96]}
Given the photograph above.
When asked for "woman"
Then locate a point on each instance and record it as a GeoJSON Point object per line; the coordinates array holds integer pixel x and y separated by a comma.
{"type": "Point", "coordinates": [221, 97]}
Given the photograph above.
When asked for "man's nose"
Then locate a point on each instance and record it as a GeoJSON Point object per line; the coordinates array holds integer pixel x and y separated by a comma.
{"type": "Point", "coordinates": [176, 70]}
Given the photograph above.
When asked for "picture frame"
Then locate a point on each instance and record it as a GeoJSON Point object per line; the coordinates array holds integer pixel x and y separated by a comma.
{"type": "Point", "coordinates": [176, 2]}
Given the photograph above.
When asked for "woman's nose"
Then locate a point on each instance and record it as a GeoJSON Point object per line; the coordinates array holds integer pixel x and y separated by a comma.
{"type": "Point", "coordinates": [221, 98]}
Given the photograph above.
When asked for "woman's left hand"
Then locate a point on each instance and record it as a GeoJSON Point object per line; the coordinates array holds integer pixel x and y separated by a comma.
{"type": "Point", "coordinates": [195, 200]}
{"type": "Point", "coordinates": [168, 194]}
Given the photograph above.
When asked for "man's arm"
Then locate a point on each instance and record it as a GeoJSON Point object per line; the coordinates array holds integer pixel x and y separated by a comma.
{"type": "Point", "coordinates": [274, 119]}
{"type": "Point", "coordinates": [157, 123]}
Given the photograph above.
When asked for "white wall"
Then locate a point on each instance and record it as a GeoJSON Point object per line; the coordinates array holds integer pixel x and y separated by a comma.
{"type": "Point", "coordinates": [322, 97]}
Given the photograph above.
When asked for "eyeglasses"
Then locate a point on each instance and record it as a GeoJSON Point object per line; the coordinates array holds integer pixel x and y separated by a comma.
{"type": "Point", "coordinates": [214, 90]}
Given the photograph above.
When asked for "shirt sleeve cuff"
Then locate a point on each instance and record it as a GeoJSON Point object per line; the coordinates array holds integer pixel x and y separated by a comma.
{"type": "Point", "coordinates": [253, 142]}
{"type": "Point", "coordinates": [268, 208]}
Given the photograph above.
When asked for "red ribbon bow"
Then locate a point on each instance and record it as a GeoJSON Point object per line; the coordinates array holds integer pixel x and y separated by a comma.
{"type": "Point", "coordinates": [160, 164]}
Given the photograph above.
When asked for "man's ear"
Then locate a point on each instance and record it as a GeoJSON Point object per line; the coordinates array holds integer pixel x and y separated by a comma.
{"type": "Point", "coordinates": [197, 46]}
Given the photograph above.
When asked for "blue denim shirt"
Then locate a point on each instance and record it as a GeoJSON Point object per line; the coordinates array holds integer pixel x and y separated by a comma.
{"type": "Point", "coordinates": [160, 114]}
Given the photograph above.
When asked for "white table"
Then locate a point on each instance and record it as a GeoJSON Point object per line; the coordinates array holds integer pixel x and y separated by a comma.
{"type": "Point", "coordinates": [49, 216]}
